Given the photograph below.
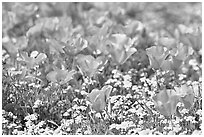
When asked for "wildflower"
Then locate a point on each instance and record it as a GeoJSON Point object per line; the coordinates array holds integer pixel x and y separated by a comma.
{"type": "Point", "coordinates": [118, 83]}
{"type": "Point", "coordinates": [78, 119]}
{"type": "Point", "coordinates": [20, 133]}
{"type": "Point", "coordinates": [87, 132]}
{"type": "Point", "coordinates": [145, 132]}
{"type": "Point", "coordinates": [133, 131]}
{"type": "Point", "coordinates": [84, 92]}
{"type": "Point", "coordinates": [134, 87]}
{"type": "Point", "coordinates": [29, 123]}
{"type": "Point", "coordinates": [4, 121]}
{"type": "Point", "coordinates": [140, 122]}
{"type": "Point", "coordinates": [78, 131]}
{"type": "Point", "coordinates": [116, 75]}
{"type": "Point", "coordinates": [12, 125]}
{"type": "Point", "coordinates": [10, 114]}
{"type": "Point", "coordinates": [127, 78]}
{"type": "Point", "coordinates": [177, 128]}
{"type": "Point", "coordinates": [171, 133]}
{"type": "Point", "coordinates": [184, 111]}
{"type": "Point", "coordinates": [189, 118]}
{"type": "Point", "coordinates": [124, 125]}
{"type": "Point", "coordinates": [112, 126]}
{"type": "Point", "coordinates": [197, 132]}
{"type": "Point", "coordinates": [82, 108]}
{"type": "Point", "coordinates": [66, 114]}
{"type": "Point", "coordinates": [31, 117]}
{"type": "Point", "coordinates": [41, 123]}
{"type": "Point", "coordinates": [127, 84]}
{"type": "Point", "coordinates": [99, 98]}
{"type": "Point", "coordinates": [98, 115]}
{"type": "Point", "coordinates": [199, 112]}
{"type": "Point", "coordinates": [113, 99]}
{"type": "Point", "coordinates": [132, 110]}
{"type": "Point", "coordinates": [114, 71]}
{"type": "Point", "coordinates": [37, 103]}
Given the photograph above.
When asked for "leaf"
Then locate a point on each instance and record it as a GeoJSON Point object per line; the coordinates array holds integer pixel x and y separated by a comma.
{"type": "Point", "coordinates": [187, 95]}
{"type": "Point", "coordinates": [99, 98]}
{"type": "Point", "coordinates": [166, 102]}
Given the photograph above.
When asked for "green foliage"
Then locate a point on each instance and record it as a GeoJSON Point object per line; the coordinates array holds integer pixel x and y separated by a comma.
{"type": "Point", "coordinates": [101, 68]}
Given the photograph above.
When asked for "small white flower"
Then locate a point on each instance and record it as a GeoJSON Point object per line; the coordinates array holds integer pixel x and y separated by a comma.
{"type": "Point", "coordinates": [112, 126]}
{"type": "Point", "coordinates": [127, 78]}
{"type": "Point", "coordinates": [193, 62]}
{"type": "Point", "coordinates": [82, 108]}
{"type": "Point", "coordinates": [87, 132]}
{"type": "Point", "coordinates": [41, 130]}
{"type": "Point", "coordinates": [132, 110]}
{"type": "Point", "coordinates": [78, 119]}
{"type": "Point", "coordinates": [141, 122]}
{"type": "Point", "coordinates": [78, 132]}
{"type": "Point", "coordinates": [197, 132]}
{"type": "Point", "coordinates": [98, 115]}
{"type": "Point", "coordinates": [10, 114]}
{"type": "Point", "coordinates": [127, 84]}
{"type": "Point", "coordinates": [75, 106]}
{"type": "Point", "coordinates": [135, 87]}
{"type": "Point", "coordinates": [184, 111]}
{"type": "Point", "coordinates": [142, 79]}
{"type": "Point", "coordinates": [177, 128]}
{"type": "Point", "coordinates": [199, 112]}
{"type": "Point", "coordinates": [41, 123]}
{"type": "Point", "coordinates": [37, 103]}
{"type": "Point", "coordinates": [126, 124]}
{"type": "Point", "coordinates": [118, 83]}
{"type": "Point", "coordinates": [66, 114]}
{"type": "Point", "coordinates": [145, 132]}
{"type": "Point", "coordinates": [128, 96]}
{"type": "Point", "coordinates": [171, 133]}
{"type": "Point", "coordinates": [189, 118]}
{"type": "Point", "coordinates": [12, 125]}
{"type": "Point", "coordinates": [114, 71]}
{"type": "Point", "coordinates": [84, 92]}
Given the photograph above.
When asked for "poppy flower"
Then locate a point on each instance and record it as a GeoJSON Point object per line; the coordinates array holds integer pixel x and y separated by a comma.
{"type": "Point", "coordinates": [99, 98]}
{"type": "Point", "coordinates": [166, 101]}
{"type": "Point", "coordinates": [88, 64]}
{"type": "Point", "coordinates": [120, 48]}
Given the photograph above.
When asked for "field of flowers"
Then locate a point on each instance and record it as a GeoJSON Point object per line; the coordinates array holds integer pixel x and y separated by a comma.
{"type": "Point", "coordinates": [101, 68]}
